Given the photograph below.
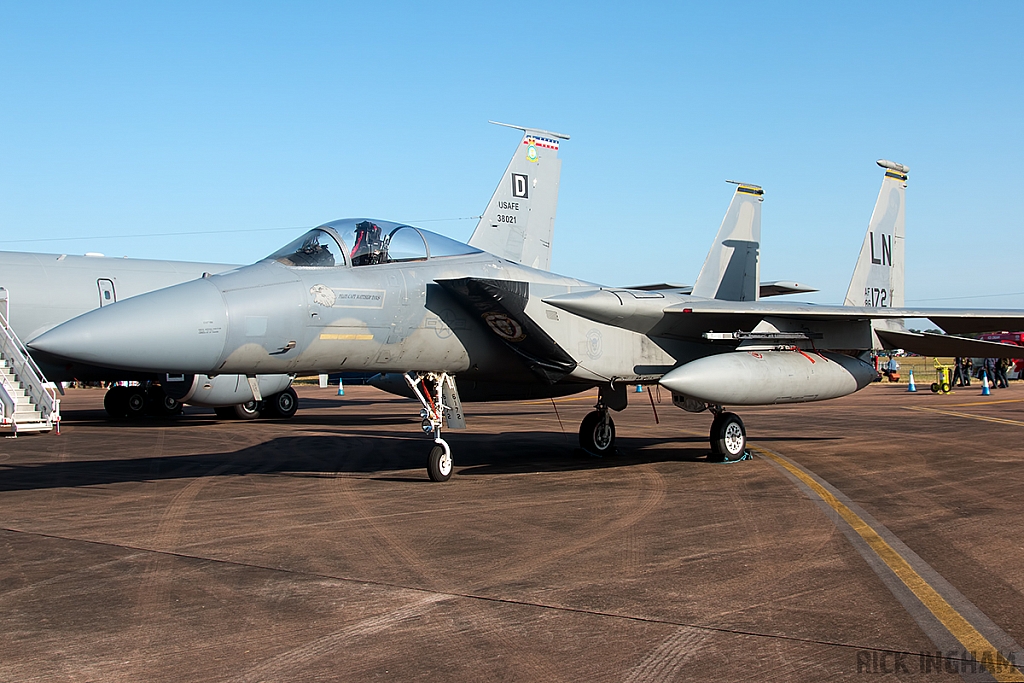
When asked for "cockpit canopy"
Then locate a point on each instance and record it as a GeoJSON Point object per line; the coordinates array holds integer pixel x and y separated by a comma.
{"type": "Point", "coordinates": [365, 242]}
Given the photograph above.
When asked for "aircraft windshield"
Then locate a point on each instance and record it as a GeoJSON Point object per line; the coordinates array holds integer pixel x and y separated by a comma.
{"type": "Point", "coordinates": [372, 241]}
{"type": "Point", "coordinates": [315, 249]}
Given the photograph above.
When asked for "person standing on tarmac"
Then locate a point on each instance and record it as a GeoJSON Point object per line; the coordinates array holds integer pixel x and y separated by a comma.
{"type": "Point", "coordinates": [1001, 366]}
{"type": "Point", "coordinates": [990, 371]}
{"type": "Point", "coordinates": [958, 373]}
{"type": "Point", "coordinates": [893, 369]}
{"type": "Point", "coordinates": [968, 370]}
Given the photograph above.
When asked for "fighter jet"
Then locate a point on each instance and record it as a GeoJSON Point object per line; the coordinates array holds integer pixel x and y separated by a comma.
{"type": "Point", "coordinates": [730, 272]}
{"type": "Point", "coordinates": [45, 290]}
{"type": "Point", "coordinates": [371, 295]}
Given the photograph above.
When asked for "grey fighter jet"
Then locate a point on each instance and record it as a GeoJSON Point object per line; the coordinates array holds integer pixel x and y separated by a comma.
{"type": "Point", "coordinates": [44, 290]}
{"type": "Point", "coordinates": [370, 295]}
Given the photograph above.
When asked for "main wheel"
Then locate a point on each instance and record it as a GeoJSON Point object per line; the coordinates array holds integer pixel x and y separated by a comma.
{"type": "Point", "coordinates": [169, 406]}
{"type": "Point", "coordinates": [115, 402]}
{"type": "Point", "coordinates": [282, 405]}
{"type": "Point", "coordinates": [728, 438]}
{"type": "Point", "coordinates": [160, 404]}
{"type": "Point", "coordinates": [135, 401]}
{"type": "Point", "coordinates": [249, 410]}
{"type": "Point", "coordinates": [439, 463]}
{"type": "Point", "coordinates": [597, 433]}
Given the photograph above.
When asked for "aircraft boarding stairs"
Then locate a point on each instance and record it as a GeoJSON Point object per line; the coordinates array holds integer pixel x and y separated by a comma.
{"type": "Point", "coordinates": [28, 403]}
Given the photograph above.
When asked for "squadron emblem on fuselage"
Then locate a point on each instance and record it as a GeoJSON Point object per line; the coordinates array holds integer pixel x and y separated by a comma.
{"type": "Point", "coordinates": [505, 327]}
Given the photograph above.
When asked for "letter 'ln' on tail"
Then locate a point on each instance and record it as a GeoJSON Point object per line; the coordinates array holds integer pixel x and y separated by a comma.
{"type": "Point", "coordinates": [731, 272]}
{"type": "Point", "coordinates": [878, 278]}
{"type": "Point", "coordinates": [519, 221]}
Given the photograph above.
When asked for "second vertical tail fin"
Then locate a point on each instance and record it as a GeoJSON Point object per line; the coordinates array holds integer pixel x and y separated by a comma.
{"type": "Point", "coordinates": [878, 278]}
{"type": "Point", "coordinates": [731, 271]}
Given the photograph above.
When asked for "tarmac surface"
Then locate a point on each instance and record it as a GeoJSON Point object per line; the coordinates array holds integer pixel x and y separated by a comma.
{"type": "Point", "coordinates": [865, 533]}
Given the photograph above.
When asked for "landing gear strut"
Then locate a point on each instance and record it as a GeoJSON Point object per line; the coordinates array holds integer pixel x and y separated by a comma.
{"type": "Point", "coordinates": [728, 438]}
{"type": "Point", "coordinates": [440, 400]}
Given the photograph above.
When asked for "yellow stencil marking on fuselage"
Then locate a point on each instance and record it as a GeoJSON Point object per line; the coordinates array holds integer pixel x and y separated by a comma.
{"type": "Point", "coordinates": [358, 337]}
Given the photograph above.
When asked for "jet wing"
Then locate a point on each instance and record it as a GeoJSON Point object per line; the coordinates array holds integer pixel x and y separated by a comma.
{"type": "Point", "coordinates": [671, 315]}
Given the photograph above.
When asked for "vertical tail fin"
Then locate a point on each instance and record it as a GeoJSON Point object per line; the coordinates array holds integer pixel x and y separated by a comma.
{"type": "Point", "coordinates": [519, 221]}
{"type": "Point", "coordinates": [878, 278]}
{"type": "Point", "coordinates": [731, 272]}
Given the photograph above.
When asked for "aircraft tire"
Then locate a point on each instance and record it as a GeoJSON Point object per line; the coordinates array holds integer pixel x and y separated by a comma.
{"type": "Point", "coordinates": [160, 404]}
{"type": "Point", "coordinates": [135, 401]}
{"type": "Point", "coordinates": [249, 410]}
{"type": "Point", "coordinates": [728, 438]}
{"type": "Point", "coordinates": [439, 464]}
{"type": "Point", "coordinates": [115, 402]}
{"type": "Point", "coordinates": [596, 437]}
{"type": "Point", "coordinates": [282, 405]}
{"type": "Point", "coordinates": [713, 440]}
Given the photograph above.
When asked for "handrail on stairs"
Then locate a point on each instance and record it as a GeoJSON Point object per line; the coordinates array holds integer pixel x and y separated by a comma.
{"type": "Point", "coordinates": [45, 397]}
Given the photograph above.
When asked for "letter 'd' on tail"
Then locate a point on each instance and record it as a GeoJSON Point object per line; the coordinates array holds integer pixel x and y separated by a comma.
{"type": "Point", "coordinates": [519, 221]}
{"type": "Point", "coordinates": [731, 272]}
{"type": "Point", "coordinates": [878, 278]}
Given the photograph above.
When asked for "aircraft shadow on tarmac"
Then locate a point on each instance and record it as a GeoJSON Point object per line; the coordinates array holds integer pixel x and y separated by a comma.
{"type": "Point", "coordinates": [381, 453]}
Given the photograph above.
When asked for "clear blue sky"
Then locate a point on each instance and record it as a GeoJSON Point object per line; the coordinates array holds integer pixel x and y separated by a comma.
{"type": "Point", "coordinates": [146, 118]}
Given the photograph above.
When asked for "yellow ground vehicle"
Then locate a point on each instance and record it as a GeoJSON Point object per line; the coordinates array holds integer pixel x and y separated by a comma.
{"type": "Point", "coordinates": [943, 378]}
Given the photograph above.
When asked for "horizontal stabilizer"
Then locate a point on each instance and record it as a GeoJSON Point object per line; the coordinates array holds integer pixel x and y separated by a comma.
{"type": "Point", "coordinates": [783, 287]}
{"type": "Point", "coordinates": [930, 344]}
{"type": "Point", "coordinates": [766, 289]}
{"type": "Point", "coordinates": [664, 286]}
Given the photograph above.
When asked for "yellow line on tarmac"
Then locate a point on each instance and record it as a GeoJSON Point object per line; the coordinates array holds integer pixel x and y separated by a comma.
{"type": "Point", "coordinates": [997, 420]}
{"type": "Point", "coordinates": [955, 623]}
{"type": "Point", "coordinates": [984, 403]}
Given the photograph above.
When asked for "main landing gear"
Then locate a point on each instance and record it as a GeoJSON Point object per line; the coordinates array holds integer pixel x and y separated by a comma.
{"type": "Point", "coordinates": [728, 437]}
{"type": "Point", "coordinates": [139, 400]}
{"type": "Point", "coordinates": [597, 431]}
{"type": "Point", "coordinates": [440, 400]}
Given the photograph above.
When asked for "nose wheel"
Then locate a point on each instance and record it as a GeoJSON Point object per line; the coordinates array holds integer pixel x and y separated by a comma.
{"type": "Point", "coordinates": [728, 439]}
{"type": "Point", "coordinates": [439, 462]}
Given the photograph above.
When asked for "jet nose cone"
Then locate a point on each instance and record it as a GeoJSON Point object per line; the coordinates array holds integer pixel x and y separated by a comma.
{"type": "Point", "coordinates": [178, 329]}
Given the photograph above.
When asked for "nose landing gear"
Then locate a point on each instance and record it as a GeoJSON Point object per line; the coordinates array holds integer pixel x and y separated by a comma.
{"type": "Point", "coordinates": [440, 403]}
{"type": "Point", "coordinates": [597, 431]}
